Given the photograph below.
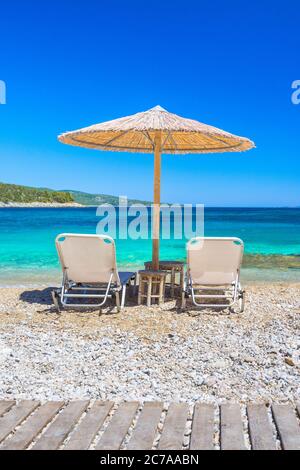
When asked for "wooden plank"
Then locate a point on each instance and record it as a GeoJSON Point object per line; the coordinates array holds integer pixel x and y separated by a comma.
{"type": "Point", "coordinates": [144, 433]}
{"type": "Point", "coordinates": [260, 429]}
{"type": "Point", "coordinates": [202, 437]}
{"type": "Point", "coordinates": [86, 431]}
{"type": "Point", "coordinates": [33, 426]}
{"type": "Point", "coordinates": [6, 405]}
{"type": "Point", "coordinates": [287, 426]}
{"type": "Point", "coordinates": [57, 432]}
{"type": "Point", "coordinates": [174, 427]}
{"type": "Point", "coordinates": [15, 416]}
{"type": "Point", "coordinates": [232, 436]}
{"type": "Point", "coordinates": [116, 430]}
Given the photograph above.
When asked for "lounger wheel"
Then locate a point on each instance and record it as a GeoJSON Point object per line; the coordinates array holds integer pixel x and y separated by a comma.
{"type": "Point", "coordinates": [116, 297]}
{"type": "Point", "coordinates": [242, 301]}
{"type": "Point", "coordinates": [184, 297]}
{"type": "Point", "coordinates": [55, 298]}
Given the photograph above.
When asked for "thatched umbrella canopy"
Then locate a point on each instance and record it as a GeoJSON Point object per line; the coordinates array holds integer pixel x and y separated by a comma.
{"type": "Point", "coordinates": [156, 131]}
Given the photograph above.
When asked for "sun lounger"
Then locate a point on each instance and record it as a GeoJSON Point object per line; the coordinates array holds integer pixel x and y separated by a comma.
{"type": "Point", "coordinates": [213, 272]}
{"type": "Point", "coordinates": [89, 272]}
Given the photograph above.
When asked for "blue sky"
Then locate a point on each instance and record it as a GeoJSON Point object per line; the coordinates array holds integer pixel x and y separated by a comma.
{"type": "Point", "coordinates": [69, 64]}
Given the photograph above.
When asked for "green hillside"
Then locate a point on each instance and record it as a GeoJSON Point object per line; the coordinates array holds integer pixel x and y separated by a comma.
{"type": "Point", "coordinates": [23, 194]}
{"type": "Point", "coordinates": [95, 199]}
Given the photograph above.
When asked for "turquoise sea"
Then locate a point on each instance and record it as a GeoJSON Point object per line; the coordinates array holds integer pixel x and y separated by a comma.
{"type": "Point", "coordinates": [28, 255]}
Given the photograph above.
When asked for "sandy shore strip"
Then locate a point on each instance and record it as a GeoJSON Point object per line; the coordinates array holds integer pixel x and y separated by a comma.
{"type": "Point", "coordinates": [152, 353]}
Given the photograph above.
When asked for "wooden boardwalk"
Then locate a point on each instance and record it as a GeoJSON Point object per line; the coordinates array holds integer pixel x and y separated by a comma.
{"type": "Point", "coordinates": [27, 424]}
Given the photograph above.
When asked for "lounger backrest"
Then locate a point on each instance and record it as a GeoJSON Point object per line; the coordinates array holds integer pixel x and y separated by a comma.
{"type": "Point", "coordinates": [214, 261]}
{"type": "Point", "coordinates": [87, 258]}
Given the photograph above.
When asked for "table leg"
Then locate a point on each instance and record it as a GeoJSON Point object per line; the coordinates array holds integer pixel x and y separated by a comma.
{"type": "Point", "coordinates": [140, 291]}
{"type": "Point", "coordinates": [161, 291]}
{"type": "Point", "coordinates": [172, 282]}
{"type": "Point", "coordinates": [149, 292]}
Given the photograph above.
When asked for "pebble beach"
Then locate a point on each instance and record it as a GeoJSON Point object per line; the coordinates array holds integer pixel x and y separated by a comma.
{"type": "Point", "coordinates": [157, 353]}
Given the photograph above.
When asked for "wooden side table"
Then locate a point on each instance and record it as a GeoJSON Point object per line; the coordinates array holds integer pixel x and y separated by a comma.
{"type": "Point", "coordinates": [172, 268]}
{"type": "Point", "coordinates": [151, 286]}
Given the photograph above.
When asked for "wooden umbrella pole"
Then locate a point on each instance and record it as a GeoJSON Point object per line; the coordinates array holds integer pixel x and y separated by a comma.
{"type": "Point", "coordinates": [156, 209]}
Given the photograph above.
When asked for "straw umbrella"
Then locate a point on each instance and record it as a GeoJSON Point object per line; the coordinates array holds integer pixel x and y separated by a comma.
{"type": "Point", "coordinates": [156, 131]}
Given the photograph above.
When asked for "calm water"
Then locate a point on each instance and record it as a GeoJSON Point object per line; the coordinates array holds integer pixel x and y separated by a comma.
{"type": "Point", "coordinates": [28, 255]}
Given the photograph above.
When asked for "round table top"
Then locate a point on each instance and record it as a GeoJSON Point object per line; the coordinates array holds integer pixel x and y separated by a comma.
{"type": "Point", "coordinates": [149, 272]}
{"type": "Point", "coordinates": [169, 264]}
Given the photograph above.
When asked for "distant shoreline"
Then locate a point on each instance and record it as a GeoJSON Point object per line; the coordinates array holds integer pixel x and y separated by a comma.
{"type": "Point", "coordinates": [77, 204]}
{"type": "Point", "coordinates": [57, 205]}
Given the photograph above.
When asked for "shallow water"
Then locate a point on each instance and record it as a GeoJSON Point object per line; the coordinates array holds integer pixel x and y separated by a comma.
{"type": "Point", "coordinates": [28, 255]}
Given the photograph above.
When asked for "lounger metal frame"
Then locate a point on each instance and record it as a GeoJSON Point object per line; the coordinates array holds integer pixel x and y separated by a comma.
{"type": "Point", "coordinates": [232, 292]}
{"type": "Point", "coordinates": [72, 290]}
